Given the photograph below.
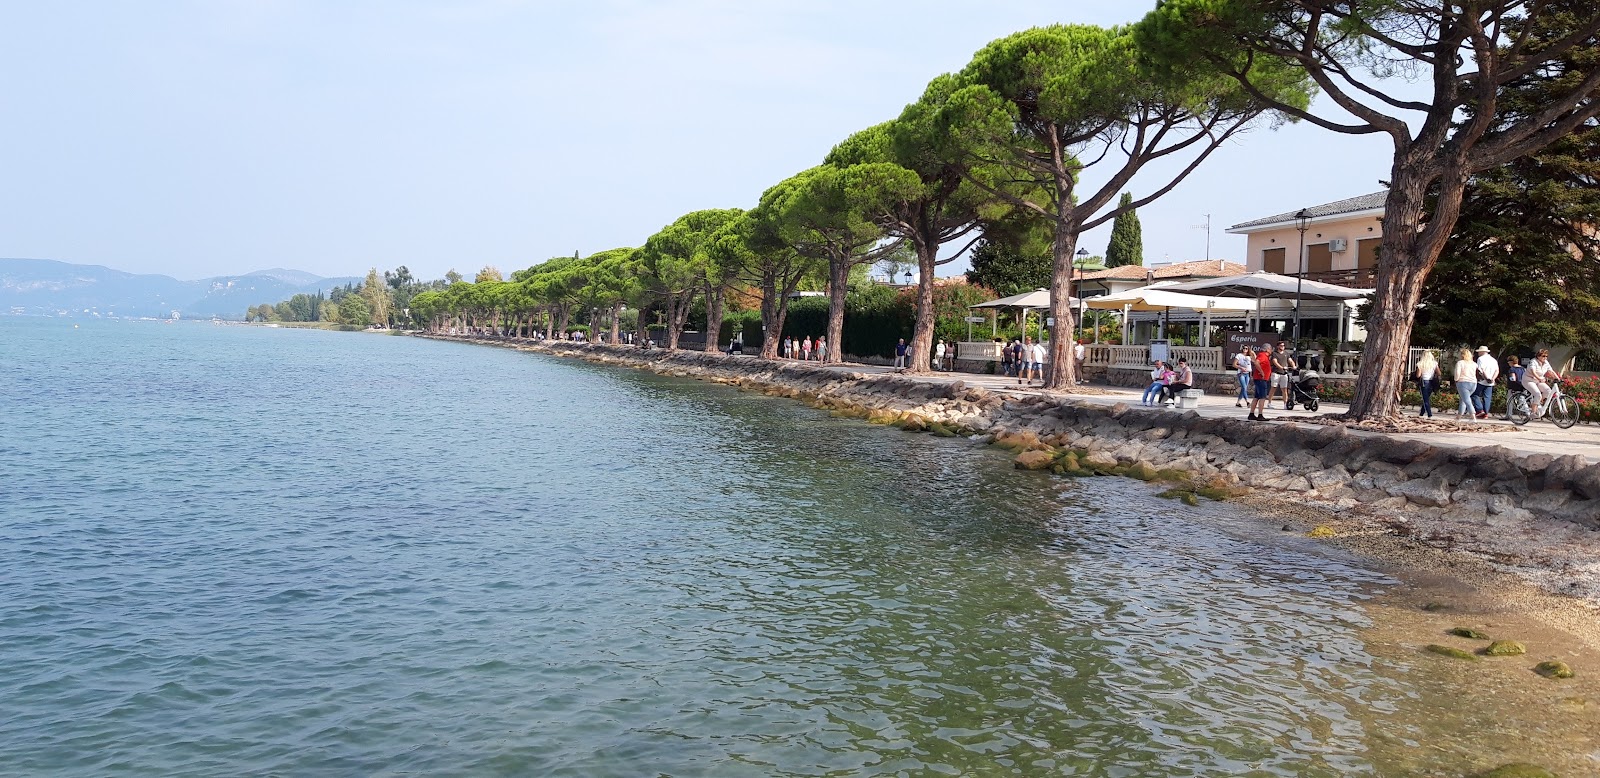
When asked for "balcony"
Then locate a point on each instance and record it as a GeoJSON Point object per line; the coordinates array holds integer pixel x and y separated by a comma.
{"type": "Point", "coordinates": [1359, 278]}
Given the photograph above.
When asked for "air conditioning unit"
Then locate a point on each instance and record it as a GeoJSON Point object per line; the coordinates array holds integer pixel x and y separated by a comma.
{"type": "Point", "coordinates": [1337, 244]}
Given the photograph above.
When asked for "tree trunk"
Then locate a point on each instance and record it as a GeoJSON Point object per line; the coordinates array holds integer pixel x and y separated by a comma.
{"type": "Point", "coordinates": [677, 322]}
{"type": "Point", "coordinates": [922, 332]}
{"type": "Point", "coordinates": [566, 320]}
{"type": "Point", "coordinates": [838, 279]}
{"type": "Point", "coordinates": [714, 313]}
{"type": "Point", "coordinates": [1408, 252]}
{"type": "Point", "coordinates": [1063, 370]}
{"type": "Point", "coordinates": [616, 323]}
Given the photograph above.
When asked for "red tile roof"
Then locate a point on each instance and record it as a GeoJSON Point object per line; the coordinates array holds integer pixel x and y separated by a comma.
{"type": "Point", "coordinates": [1203, 268]}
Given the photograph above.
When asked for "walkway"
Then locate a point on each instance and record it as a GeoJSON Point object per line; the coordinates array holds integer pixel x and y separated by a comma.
{"type": "Point", "coordinates": [1539, 437]}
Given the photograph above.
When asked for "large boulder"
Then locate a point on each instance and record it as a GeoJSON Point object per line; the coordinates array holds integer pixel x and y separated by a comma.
{"type": "Point", "coordinates": [1433, 492]}
{"type": "Point", "coordinates": [1036, 459]}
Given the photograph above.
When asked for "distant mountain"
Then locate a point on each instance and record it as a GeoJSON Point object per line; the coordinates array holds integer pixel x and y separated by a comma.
{"type": "Point", "coordinates": [43, 286]}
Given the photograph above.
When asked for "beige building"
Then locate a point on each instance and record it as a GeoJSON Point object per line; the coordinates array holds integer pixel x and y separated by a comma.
{"type": "Point", "coordinates": [1340, 244]}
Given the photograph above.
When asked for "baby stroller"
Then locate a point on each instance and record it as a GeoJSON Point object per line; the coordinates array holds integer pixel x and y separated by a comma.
{"type": "Point", "coordinates": [1305, 386]}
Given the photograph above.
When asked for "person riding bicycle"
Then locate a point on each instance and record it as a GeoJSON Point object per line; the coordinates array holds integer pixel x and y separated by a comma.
{"type": "Point", "coordinates": [1538, 379]}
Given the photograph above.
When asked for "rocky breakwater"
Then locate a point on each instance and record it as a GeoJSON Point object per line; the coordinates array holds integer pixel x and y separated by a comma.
{"type": "Point", "coordinates": [1489, 500]}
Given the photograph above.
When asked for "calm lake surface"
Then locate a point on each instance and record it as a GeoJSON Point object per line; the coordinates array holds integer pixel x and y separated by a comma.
{"type": "Point", "coordinates": [232, 550]}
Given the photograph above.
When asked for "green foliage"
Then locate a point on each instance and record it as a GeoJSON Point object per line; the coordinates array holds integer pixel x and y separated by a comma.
{"type": "Point", "coordinates": [1007, 270]}
{"type": "Point", "coordinates": [353, 310]}
{"type": "Point", "coordinates": [1127, 239]}
{"type": "Point", "coordinates": [1518, 269]}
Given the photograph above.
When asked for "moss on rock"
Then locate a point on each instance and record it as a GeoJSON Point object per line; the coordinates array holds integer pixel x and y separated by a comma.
{"type": "Point", "coordinates": [1034, 460]}
{"type": "Point", "coordinates": [1554, 669]}
{"type": "Point", "coordinates": [1464, 632]}
{"type": "Point", "coordinates": [941, 430]}
{"type": "Point", "coordinates": [1505, 648]}
{"type": "Point", "coordinates": [1141, 470]}
{"type": "Point", "coordinates": [1325, 531]}
{"type": "Point", "coordinates": [1188, 497]}
{"type": "Point", "coordinates": [1453, 653]}
{"type": "Point", "coordinates": [1517, 770]}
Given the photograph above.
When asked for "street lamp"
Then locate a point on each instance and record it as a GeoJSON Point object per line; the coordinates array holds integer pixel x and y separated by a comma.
{"type": "Point", "coordinates": [1083, 256]}
{"type": "Point", "coordinates": [908, 276]}
{"type": "Point", "coordinates": [1302, 220]}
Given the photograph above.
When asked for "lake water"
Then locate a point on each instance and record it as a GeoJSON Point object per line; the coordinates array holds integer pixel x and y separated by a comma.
{"type": "Point", "coordinates": [231, 550]}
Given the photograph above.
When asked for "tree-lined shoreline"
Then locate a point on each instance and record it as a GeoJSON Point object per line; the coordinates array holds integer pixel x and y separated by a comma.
{"type": "Point", "coordinates": [1041, 137]}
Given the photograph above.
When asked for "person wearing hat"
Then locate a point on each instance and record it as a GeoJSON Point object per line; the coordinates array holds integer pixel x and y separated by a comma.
{"type": "Point", "coordinates": [1488, 373]}
{"type": "Point", "coordinates": [1261, 382]}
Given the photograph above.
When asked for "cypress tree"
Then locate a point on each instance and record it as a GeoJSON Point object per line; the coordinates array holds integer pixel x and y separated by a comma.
{"type": "Point", "coordinates": [1127, 240]}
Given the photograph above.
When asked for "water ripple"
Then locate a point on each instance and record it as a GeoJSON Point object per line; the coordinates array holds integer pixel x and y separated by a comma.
{"type": "Point", "coordinates": [238, 550]}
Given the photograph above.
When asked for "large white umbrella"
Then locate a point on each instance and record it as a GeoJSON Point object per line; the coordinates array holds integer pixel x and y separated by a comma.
{"type": "Point", "coordinates": [1038, 299]}
{"type": "Point", "coordinates": [1269, 286]}
{"type": "Point", "coordinates": [1160, 297]}
{"type": "Point", "coordinates": [1149, 298]}
{"type": "Point", "coordinates": [1260, 286]}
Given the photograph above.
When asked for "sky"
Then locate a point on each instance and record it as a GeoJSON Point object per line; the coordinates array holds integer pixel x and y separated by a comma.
{"type": "Point", "coordinates": [197, 139]}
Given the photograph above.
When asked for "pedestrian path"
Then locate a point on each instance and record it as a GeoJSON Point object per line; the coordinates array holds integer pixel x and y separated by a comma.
{"type": "Point", "coordinates": [1539, 437]}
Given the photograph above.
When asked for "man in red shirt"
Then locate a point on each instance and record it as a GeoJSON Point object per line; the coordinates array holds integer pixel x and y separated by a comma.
{"type": "Point", "coordinates": [1261, 380]}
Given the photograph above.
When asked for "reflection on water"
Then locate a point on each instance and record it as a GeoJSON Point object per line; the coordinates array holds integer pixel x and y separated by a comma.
{"type": "Point", "coordinates": [245, 550]}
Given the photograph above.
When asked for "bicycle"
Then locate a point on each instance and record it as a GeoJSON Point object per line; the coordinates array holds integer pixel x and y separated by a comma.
{"type": "Point", "coordinates": [1560, 408]}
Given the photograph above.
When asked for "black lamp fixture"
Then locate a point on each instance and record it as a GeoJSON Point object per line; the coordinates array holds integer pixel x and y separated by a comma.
{"type": "Point", "coordinates": [1083, 257]}
{"type": "Point", "coordinates": [1302, 220]}
{"type": "Point", "coordinates": [908, 276]}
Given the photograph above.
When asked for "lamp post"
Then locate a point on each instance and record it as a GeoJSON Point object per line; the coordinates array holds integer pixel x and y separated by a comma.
{"type": "Point", "coordinates": [1302, 220]}
{"type": "Point", "coordinates": [1083, 256]}
{"type": "Point", "coordinates": [908, 276]}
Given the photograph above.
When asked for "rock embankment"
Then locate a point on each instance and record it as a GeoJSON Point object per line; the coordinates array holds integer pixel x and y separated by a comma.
{"type": "Point", "coordinates": [1489, 500]}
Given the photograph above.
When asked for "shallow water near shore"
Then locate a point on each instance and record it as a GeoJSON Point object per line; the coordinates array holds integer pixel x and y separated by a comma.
{"type": "Point", "coordinates": [238, 550]}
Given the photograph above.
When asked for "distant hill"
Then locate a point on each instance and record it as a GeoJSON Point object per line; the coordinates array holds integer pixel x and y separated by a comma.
{"type": "Point", "coordinates": [44, 286]}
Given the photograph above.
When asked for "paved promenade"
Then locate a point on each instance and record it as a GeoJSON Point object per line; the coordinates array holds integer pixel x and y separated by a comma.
{"type": "Point", "coordinates": [1538, 437]}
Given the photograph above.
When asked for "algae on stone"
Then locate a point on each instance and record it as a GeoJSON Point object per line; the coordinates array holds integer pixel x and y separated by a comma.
{"type": "Point", "coordinates": [1323, 531]}
{"type": "Point", "coordinates": [1517, 770]}
{"type": "Point", "coordinates": [1554, 669]}
{"type": "Point", "coordinates": [1454, 653]}
{"type": "Point", "coordinates": [1505, 648]}
{"type": "Point", "coordinates": [1465, 632]}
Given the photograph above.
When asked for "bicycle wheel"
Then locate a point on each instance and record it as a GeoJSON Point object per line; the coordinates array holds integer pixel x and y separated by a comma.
{"type": "Point", "coordinates": [1518, 411]}
{"type": "Point", "coordinates": [1564, 412]}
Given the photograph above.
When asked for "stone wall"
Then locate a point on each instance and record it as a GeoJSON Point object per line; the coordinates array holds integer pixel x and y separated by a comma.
{"type": "Point", "coordinates": [1327, 466]}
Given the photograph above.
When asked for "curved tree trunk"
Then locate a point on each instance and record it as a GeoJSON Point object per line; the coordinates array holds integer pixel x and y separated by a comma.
{"type": "Point", "coordinates": [1408, 252]}
{"type": "Point", "coordinates": [838, 280]}
{"type": "Point", "coordinates": [714, 315]}
{"type": "Point", "coordinates": [1062, 372]}
{"type": "Point", "coordinates": [616, 323]}
{"type": "Point", "coordinates": [921, 347]}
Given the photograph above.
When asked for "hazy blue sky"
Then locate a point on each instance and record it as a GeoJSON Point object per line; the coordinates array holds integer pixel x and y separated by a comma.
{"type": "Point", "coordinates": [209, 138]}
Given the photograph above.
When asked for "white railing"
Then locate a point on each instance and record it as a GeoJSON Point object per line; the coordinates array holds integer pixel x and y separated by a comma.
{"type": "Point", "coordinates": [1205, 359]}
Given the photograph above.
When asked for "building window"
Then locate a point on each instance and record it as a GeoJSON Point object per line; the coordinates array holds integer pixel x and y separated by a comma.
{"type": "Point", "coordinates": [1318, 258]}
{"type": "Point", "coordinates": [1367, 253]}
{"type": "Point", "coordinates": [1272, 260]}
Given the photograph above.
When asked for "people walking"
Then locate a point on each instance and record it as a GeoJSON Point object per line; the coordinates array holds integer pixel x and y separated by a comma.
{"type": "Point", "coordinates": [805, 349]}
{"type": "Point", "coordinates": [1282, 363]}
{"type": "Point", "coordinates": [938, 356]}
{"type": "Point", "coordinates": [1466, 381]}
{"type": "Point", "coordinates": [1488, 374]}
{"type": "Point", "coordinates": [1242, 363]}
{"type": "Point", "coordinates": [900, 355]}
{"type": "Point", "coordinates": [1008, 359]}
{"type": "Point", "coordinates": [1261, 383]}
{"type": "Point", "coordinates": [1427, 375]}
{"type": "Point", "coordinates": [822, 349]}
{"type": "Point", "coordinates": [1079, 351]}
